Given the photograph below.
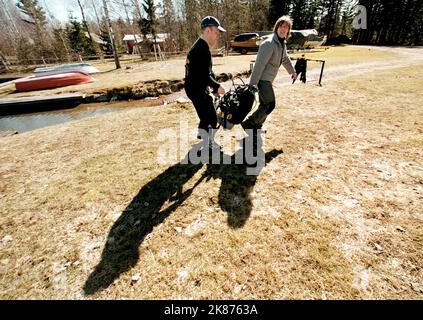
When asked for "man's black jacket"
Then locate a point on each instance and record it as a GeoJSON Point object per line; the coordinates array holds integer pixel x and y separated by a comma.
{"type": "Point", "coordinates": [198, 70]}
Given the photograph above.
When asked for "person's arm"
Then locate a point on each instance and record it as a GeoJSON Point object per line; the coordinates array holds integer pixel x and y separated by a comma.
{"type": "Point", "coordinates": [263, 57]}
{"type": "Point", "coordinates": [212, 81]}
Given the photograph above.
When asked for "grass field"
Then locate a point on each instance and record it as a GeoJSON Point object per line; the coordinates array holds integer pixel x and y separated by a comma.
{"type": "Point", "coordinates": [132, 74]}
{"type": "Point", "coordinates": [86, 212]}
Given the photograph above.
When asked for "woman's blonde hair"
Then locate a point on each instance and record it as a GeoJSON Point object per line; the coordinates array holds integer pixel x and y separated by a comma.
{"type": "Point", "coordinates": [281, 20]}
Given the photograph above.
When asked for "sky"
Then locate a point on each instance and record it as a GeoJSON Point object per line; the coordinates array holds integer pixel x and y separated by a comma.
{"type": "Point", "coordinates": [60, 8]}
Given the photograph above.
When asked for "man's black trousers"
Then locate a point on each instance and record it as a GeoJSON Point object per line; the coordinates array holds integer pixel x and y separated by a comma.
{"type": "Point", "coordinates": [203, 104]}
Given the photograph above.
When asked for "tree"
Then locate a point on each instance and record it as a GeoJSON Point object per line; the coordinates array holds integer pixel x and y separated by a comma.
{"type": "Point", "coordinates": [34, 11]}
{"type": "Point", "coordinates": [84, 21]}
{"type": "Point", "coordinates": [330, 17]}
{"type": "Point", "coordinates": [299, 14]}
{"type": "Point", "coordinates": [259, 11]}
{"type": "Point", "coordinates": [110, 31]}
{"type": "Point", "coordinates": [235, 17]}
{"type": "Point", "coordinates": [192, 17]}
{"type": "Point", "coordinates": [148, 24]}
{"type": "Point", "coordinates": [34, 15]}
{"type": "Point", "coordinates": [169, 22]}
{"type": "Point", "coordinates": [346, 19]}
{"type": "Point", "coordinates": [79, 43]}
{"type": "Point", "coordinates": [104, 36]}
{"type": "Point", "coordinates": [62, 46]}
{"type": "Point", "coordinates": [278, 8]}
{"type": "Point", "coordinates": [9, 30]}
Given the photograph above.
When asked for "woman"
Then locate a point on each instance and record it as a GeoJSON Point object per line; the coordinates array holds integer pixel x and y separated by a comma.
{"type": "Point", "coordinates": [272, 53]}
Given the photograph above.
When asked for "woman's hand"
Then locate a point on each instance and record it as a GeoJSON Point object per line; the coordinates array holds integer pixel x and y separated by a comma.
{"type": "Point", "coordinates": [219, 91]}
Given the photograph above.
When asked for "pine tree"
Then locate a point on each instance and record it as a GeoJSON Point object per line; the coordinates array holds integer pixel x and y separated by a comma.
{"type": "Point", "coordinates": [277, 8]}
{"type": "Point", "coordinates": [79, 43]}
{"type": "Point", "coordinates": [259, 11]}
{"type": "Point", "coordinates": [106, 47]}
{"type": "Point", "coordinates": [148, 24]}
{"type": "Point", "coordinates": [299, 14]}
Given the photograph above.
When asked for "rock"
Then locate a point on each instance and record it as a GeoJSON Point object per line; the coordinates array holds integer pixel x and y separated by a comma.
{"type": "Point", "coordinates": [76, 263]}
{"type": "Point", "coordinates": [178, 229]}
{"type": "Point", "coordinates": [7, 238]}
{"type": "Point", "coordinates": [378, 247]}
{"type": "Point", "coordinates": [183, 274]}
{"type": "Point", "coordinates": [115, 97]}
{"type": "Point", "coordinates": [401, 229]}
{"type": "Point", "coordinates": [136, 277]}
{"type": "Point", "coordinates": [57, 268]}
{"type": "Point", "coordinates": [101, 98]}
{"type": "Point", "coordinates": [182, 100]}
{"type": "Point", "coordinates": [238, 288]}
{"type": "Point", "coordinates": [194, 228]}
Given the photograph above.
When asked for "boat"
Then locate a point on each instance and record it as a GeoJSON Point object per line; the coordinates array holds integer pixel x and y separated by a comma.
{"type": "Point", "coordinates": [83, 67]}
{"type": "Point", "coordinates": [52, 81]}
{"type": "Point", "coordinates": [40, 103]}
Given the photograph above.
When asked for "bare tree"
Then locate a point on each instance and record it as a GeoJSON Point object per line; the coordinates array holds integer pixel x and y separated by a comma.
{"type": "Point", "coordinates": [132, 27]}
{"type": "Point", "coordinates": [110, 30]}
{"type": "Point", "coordinates": [96, 16]}
{"type": "Point", "coordinates": [84, 20]}
{"type": "Point", "coordinates": [169, 22]}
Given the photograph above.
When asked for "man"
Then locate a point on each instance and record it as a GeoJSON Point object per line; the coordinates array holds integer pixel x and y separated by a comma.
{"type": "Point", "coordinates": [199, 77]}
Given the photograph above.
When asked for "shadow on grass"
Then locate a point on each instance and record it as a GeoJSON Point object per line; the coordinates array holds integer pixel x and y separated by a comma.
{"type": "Point", "coordinates": [145, 212]}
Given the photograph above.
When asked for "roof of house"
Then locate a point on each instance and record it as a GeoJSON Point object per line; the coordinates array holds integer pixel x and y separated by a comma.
{"type": "Point", "coordinates": [96, 38]}
{"type": "Point", "coordinates": [160, 37]}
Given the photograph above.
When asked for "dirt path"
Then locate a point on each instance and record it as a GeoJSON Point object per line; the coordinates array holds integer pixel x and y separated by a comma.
{"type": "Point", "coordinates": [407, 57]}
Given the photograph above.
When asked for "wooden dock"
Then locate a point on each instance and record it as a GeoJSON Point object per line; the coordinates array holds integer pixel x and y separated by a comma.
{"type": "Point", "coordinates": [40, 103]}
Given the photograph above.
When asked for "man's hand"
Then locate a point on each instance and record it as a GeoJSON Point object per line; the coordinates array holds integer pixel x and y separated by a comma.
{"type": "Point", "coordinates": [219, 92]}
{"type": "Point", "coordinates": [294, 76]}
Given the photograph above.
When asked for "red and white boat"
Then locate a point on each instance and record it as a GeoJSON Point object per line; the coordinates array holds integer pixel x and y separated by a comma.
{"type": "Point", "coordinates": [52, 81]}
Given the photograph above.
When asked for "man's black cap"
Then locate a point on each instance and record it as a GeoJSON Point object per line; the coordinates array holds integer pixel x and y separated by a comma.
{"type": "Point", "coordinates": [211, 21]}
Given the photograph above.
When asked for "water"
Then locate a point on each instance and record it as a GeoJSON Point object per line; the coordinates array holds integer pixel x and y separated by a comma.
{"type": "Point", "coordinates": [32, 121]}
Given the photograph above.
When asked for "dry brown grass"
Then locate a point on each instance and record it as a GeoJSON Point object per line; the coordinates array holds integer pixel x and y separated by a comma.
{"type": "Point", "coordinates": [86, 211]}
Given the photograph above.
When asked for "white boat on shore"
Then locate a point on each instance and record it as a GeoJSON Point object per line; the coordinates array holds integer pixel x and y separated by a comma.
{"type": "Point", "coordinates": [81, 67]}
